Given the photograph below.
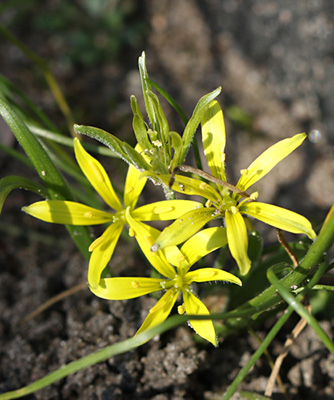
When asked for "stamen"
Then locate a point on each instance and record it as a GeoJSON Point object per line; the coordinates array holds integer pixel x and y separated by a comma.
{"type": "Point", "coordinates": [129, 190]}
{"type": "Point", "coordinates": [157, 143]}
{"type": "Point", "coordinates": [244, 172]}
{"type": "Point", "coordinates": [155, 248]}
{"type": "Point", "coordinates": [181, 309]}
{"type": "Point", "coordinates": [135, 284]}
{"type": "Point", "coordinates": [208, 203]}
{"type": "Point", "coordinates": [234, 210]}
{"type": "Point", "coordinates": [203, 185]}
{"type": "Point", "coordinates": [254, 196]}
{"type": "Point", "coordinates": [132, 233]}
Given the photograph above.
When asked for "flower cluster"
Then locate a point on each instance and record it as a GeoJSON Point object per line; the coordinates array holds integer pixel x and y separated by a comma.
{"type": "Point", "coordinates": [232, 205]}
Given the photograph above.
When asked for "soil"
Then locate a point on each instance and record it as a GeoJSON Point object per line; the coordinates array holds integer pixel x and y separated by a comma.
{"type": "Point", "coordinates": [274, 61]}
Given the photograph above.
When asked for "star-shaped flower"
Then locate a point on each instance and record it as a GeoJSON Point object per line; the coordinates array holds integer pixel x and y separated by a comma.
{"type": "Point", "coordinates": [233, 205]}
{"type": "Point", "coordinates": [73, 213]}
{"type": "Point", "coordinates": [176, 280]}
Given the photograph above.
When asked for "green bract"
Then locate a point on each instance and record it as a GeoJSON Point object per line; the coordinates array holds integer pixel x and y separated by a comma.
{"type": "Point", "coordinates": [222, 203]}
{"type": "Point", "coordinates": [175, 279]}
{"type": "Point", "coordinates": [73, 213]}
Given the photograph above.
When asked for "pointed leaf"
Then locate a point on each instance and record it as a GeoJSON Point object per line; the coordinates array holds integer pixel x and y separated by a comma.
{"type": "Point", "coordinates": [146, 87]}
{"type": "Point", "coordinates": [139, 126]}
{"type": "Point", "coordinates": [170, 100]}
{"type": "Point", "coordinates": [194, 121]}
{"type": "Point", "coordinates": [163, 127]}
{"type": "Point", "coordinates": [52, 179]}
{"type": "Point", "coordinates": [9, 183]}
{"type": "Point", "coordinates": [122, 149]}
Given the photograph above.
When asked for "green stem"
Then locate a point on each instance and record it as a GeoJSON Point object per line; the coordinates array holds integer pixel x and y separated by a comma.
{"type": "Point", "coordinates": [300, 309]}
{"type": "Point", "coordinates": [271, 335]}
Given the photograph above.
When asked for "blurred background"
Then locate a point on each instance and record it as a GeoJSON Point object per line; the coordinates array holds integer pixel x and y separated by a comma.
{"type": "Point", "coordinates": [273, 59]}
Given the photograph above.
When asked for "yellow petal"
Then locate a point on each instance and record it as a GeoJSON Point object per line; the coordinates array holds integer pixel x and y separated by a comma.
{"type": "Point", "coordinates": [134, 184]}
{"type": "Point", "coordinates": [203, 328]}
{"type": "Point", "coordinates": [160, 311]}
{"type": "Point", "coordinates": [279, 218]}
{"type": "Point", "coordinates": [238, 240]}
{"type": "Point", "coordinates": [268, 159]}
{"type": "Point", "coordinates": [164, 210]}
{"type": "Point", "coordinates": [211, 274]}
{"type": "Point", "coordinates": [176, 257]}
{"type": "Point", "coordinates": [185, 227]}
{"type": "Point", "coordinates": [145, 236]}
{"type": "Point", "coordinates": [96, 175]}
{"type": "Point", "coordinates": [203, 243]}
{"type": "Point", "coordinates": [125, 288]}
{"type": "Point", "coordinates": [214, 139]}
{"type": "Point", "coordinates": [102, 250]}
{"type": "Point", "coordinates": [68, 213]}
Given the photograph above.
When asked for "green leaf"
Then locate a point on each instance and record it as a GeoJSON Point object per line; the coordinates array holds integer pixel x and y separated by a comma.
{"type": "Point", "coordinates": [301, 310]}
{"type": "Point", "coordinates": [194, 121]}
{"type": "Point", "coordinates": [170, 100]}
{"type": "Point", "coordinates": [163, 129]}
{"type": "Point", "coordinates": [139, 126]}
{"type": "Point", "coordinates": [54, 182]}
{"type": "Point", "coordinates": [177, 147]}
{"type": "Point", "coordinates": [68, 142]}
{"type": "Point", "coordinates": [146, 87]}
{"type": "Point", "coordinates": [120, 148]}
{"type": "Point", "coordinates": [9, 183]}
{"type": "Point", "coordinates": [252, 396]}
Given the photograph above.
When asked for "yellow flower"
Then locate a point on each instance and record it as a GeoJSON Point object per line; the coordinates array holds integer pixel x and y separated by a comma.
{"type": "Point", "coordinates": [176, 280]}
{"type": "Point", "coordinates": [222, 203]}
{"type": "Point", "coordinates": [73, 213]}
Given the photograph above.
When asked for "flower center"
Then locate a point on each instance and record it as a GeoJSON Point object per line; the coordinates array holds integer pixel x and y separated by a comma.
{"type": "Point", "coordinates": [225, 203]}
{"type": "Point", "coordinates": [178, 283]}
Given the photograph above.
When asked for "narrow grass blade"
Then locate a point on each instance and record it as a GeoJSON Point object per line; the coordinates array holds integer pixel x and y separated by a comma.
{"type": "Point", "coordinates": [53, 181]}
